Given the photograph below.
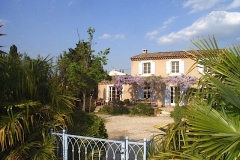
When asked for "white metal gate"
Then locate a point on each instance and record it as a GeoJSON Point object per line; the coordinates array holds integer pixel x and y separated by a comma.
{"type": "Point", "coordinates": [73, 147]}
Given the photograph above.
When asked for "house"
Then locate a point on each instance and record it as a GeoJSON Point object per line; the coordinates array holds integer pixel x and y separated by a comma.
{"type": "Point", "coordinates": [163, 64]}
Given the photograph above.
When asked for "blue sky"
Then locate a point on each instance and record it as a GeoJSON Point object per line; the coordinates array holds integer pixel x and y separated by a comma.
{"type": "Point", "coordinates": [125, 26]}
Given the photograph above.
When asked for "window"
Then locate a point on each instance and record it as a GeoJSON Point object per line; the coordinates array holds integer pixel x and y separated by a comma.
{"type": "Point", "coordinates": [174, 94]}
{"type": "Point", "coordinates": [114, 94]}
{"type": "Point", "coordinates": [147, 92]}
{"type": "Point", "coordinates": [203, 69]}
{"type": "Point", "coordinates": [147, 68]}
{"type": "Point", "coordinates": [175, 67]}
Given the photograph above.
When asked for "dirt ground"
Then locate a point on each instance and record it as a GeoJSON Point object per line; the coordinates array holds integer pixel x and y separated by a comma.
{"type": "Point", "coordinates": [135, 127]}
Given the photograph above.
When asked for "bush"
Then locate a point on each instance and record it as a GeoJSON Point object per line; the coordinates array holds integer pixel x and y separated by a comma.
{"type": "Point", "coordinates": [87, 124]}
{"type": "Point", "coordinates": [114, 109]}
{"type": "Point", "coordinates": [178, 113]}
{"type": "Point", "coordinates": [143, 109]}
{"type": "Point", "coordinates": [107, 109]}
{"type": "Point", "coordinates": [126, 102]}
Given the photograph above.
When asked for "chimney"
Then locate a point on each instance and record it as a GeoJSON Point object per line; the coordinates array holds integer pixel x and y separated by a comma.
{"type": "Point", "coordinates": [144, 51]}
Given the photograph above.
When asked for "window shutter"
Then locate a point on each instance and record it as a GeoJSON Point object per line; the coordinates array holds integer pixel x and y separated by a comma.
{"type": "Point", "coordinates": [200, 68]}
{"type": "Point", "coordinates": [181, 67]}
{"type": "Point", "coordinates": [152, 67]}
{"type": "Point", "coordinates": [168, 67]}
{"type": "Point", "coordinates": [153, 97]}
{"type": "Point", "coordinates": [182, 89]}
{"type": "Point", "coordinates": [140, 92]}
{"type": "Point", "coordinates": [140, 68]}
{"type": "Point", "coordinates": [167, 96]}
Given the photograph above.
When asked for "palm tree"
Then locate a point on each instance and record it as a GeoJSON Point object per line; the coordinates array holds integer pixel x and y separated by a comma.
{"type": "Point", "coordinates": [32, 101]}
{"type": "Point", "coordinates": [210, 128]}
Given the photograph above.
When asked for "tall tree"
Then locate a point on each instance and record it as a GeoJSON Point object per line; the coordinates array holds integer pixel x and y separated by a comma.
{"type": "Point", "coordinates": [83, 69]}
{"type": "Point", "coordinates": [1, 34]}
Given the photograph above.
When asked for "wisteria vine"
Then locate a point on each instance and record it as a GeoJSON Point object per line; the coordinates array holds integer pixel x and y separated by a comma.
{"type": "Point", "coordinates": [156, 81]}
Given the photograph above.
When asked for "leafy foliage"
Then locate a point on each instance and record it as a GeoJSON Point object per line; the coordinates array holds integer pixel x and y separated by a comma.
{"type": "Point", "coordinates": [142, 109]}
{"type": "Point", "coordinates": [33, 99]}
{"type": "Point", "coordinates": [115, 109]}
{"type": "Point", "coordinates": [81, 70]}
{"type": "Point", "coordinates": [210, 128]}
{"type": "Point", "coordinates": [85, 124]}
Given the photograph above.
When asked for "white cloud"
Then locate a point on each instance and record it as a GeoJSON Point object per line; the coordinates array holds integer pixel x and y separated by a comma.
{"type": "Point", "coordinates": [200, 5]}
{"type": "Point", "coordinates": [153, 34]}
{"type": "Point", "coordinates": [222, 24]}
{"type": "Point", "coordinates": [170, 20]}
{"type": "Point", "coordinates": [234, 4]}
{"type": "Point", "coordinates": [119, 36]}
{"type": "Point", "coordinates": [105, 36]}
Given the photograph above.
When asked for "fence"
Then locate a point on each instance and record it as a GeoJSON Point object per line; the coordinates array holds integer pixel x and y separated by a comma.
{"type": "Point", "coordinates": [73, 147]}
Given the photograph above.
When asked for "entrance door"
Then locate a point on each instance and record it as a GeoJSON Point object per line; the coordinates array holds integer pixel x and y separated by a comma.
{"type": "Point", "coordinates": [114, 94]}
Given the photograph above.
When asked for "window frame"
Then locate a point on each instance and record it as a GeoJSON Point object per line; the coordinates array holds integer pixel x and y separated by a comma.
{"type": "Point", "coordinates": [147, 66]}
{"type": "Point", "coordinates": [147, 92]}
{"type": "Point", "coordinates": [150, 70]}
{"type": "Point", "coordinates": [118, 95]}
{"type": "Point", "coordinates": [169, 67]}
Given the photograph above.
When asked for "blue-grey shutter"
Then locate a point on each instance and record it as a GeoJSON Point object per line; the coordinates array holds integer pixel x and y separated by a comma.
{"type": "Point", "coordinates": [140, 92]}
{"type": "Point", "coordinates": [153, 95]}
{"type": "Point", "coordinates": [182, 89]}
{"type": "Point", "coordinates": [181, 67]}
{"type": "Point", "coordinates": [167, 96]}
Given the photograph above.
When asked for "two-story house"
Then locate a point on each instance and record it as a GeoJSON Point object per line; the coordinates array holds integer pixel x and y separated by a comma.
{"type": "Point", "coordinates": [146, 64]}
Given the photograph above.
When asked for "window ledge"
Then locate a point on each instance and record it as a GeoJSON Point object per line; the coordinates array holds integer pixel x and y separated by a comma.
{"type": "Point", "coordinates": [175, 74]}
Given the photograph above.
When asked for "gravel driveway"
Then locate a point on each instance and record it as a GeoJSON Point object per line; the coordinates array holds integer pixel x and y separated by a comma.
{"type": "Point", "coordinates": [135, 127]}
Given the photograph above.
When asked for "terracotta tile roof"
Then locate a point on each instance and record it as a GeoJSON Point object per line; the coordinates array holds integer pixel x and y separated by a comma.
{"type": "Point", "coordinates": [161, 55]}
{"type": "Point", "coordinates": [105, 82]}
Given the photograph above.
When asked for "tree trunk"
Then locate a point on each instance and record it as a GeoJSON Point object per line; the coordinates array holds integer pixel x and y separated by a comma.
{"type": "Point", "coordinates": [84, 101]}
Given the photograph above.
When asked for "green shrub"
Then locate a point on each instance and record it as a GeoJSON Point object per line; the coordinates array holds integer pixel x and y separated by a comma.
{"type": "Point", "coordinates": [134, 111]}
{"type": "Point", "coordinates": [126, 102]}
{"type": "Point", "coordinates": [87, 124]}
{"type": "Point", "coordinates": [114, 109]}
{"type": "Point", "coordinates": [142, 109]}
{"type": "Point", "coordinates": [106, 109]}
{"type": "Point", "coordinates": [178, 113]}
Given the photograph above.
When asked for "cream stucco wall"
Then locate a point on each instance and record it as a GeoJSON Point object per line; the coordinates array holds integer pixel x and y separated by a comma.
{"type": "Point", "coordinates": [160, 67]}
{"type": "Point", "coordinates": [103, 92]}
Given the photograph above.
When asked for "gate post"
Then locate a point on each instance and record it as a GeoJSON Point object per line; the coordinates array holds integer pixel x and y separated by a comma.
{"type": "Point", "coordinates": [144, 149]}
{"type": "Point", "coordinates": [65, 145]}
{"type": "Point", "coordinates": [126, 150]}
{"type": "Point", "coordinates": [123, 151]}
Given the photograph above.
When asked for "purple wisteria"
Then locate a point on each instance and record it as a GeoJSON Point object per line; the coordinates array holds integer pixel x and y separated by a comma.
{"type": "Point", "coordinates": [183, 80]}
{"type": "Point", "coordinates": [156, 81]}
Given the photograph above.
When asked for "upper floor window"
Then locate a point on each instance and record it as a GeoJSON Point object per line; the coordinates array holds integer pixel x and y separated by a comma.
{"type": "Point", "coordinates": [175, 67]}
{"type": "Point", "coordinates": [203, 69]}
{"type": "Point", "coordinates": [146, 68]}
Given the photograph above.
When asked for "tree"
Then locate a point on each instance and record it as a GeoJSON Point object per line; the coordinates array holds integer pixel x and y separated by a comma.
{"type": "Point", "coordinates": [31, 102]}
{"type": "Point", "coordinates": [210, 128]}
{"type": "Point", "coordinates": [83, 69]}
{"type": "Point", "coordinates": [1, 34]}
